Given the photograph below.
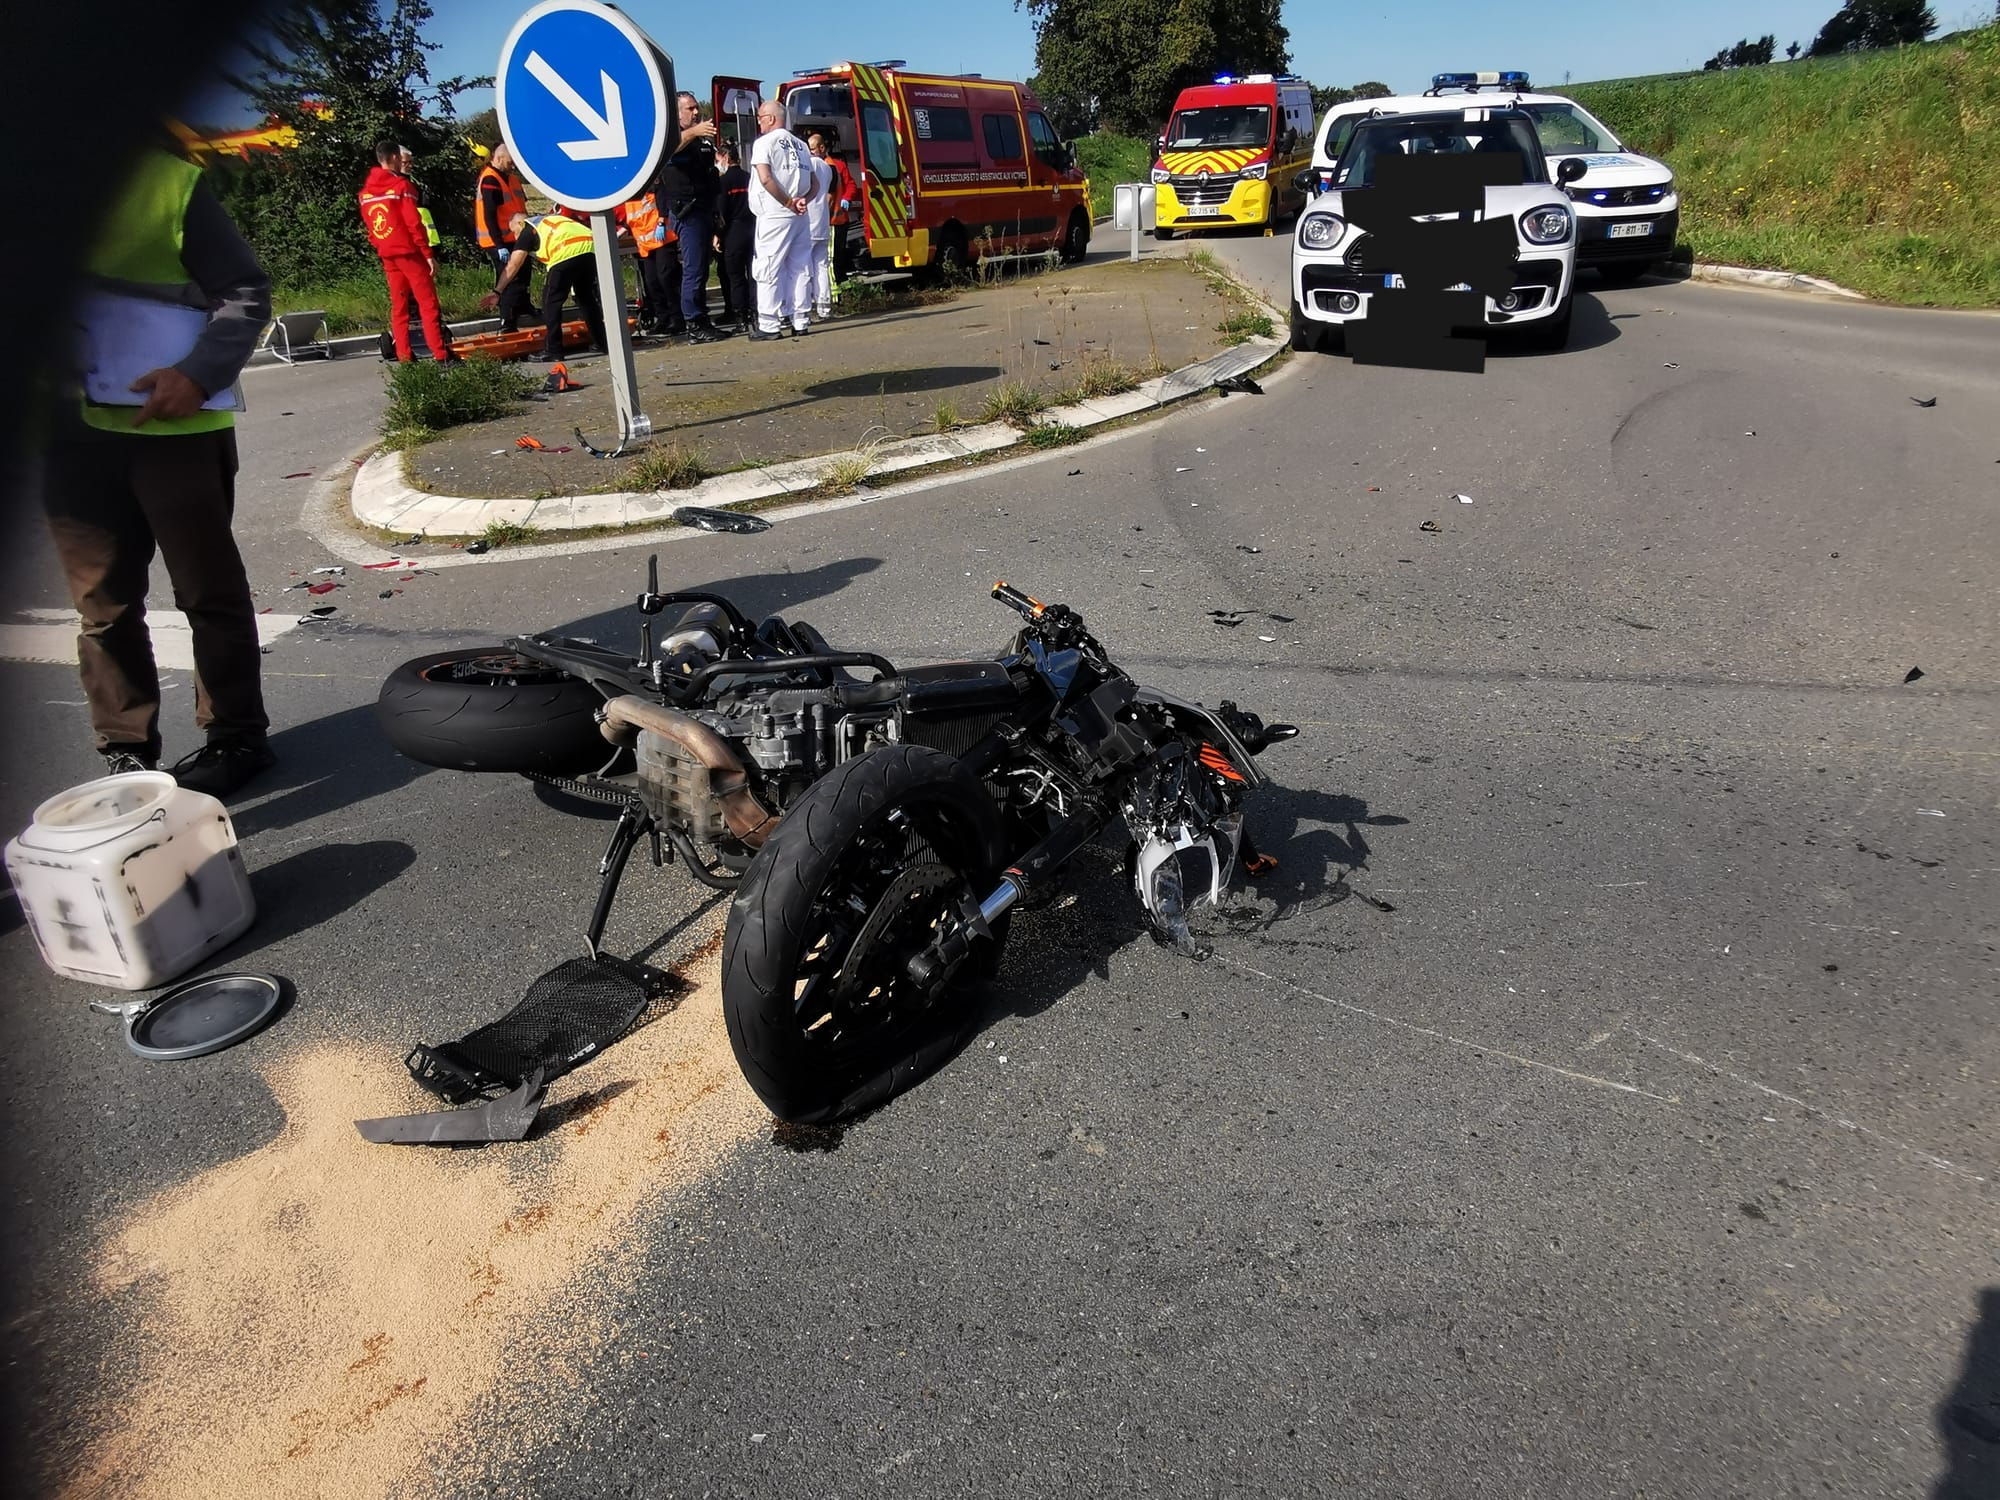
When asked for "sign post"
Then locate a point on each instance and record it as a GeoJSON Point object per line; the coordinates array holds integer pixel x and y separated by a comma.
{"type": "Point", "coordinates": [585, 105]}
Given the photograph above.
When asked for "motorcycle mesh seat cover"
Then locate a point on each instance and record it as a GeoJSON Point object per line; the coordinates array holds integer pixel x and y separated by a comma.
{"type": "Point", "coordinates": [568, 1016]}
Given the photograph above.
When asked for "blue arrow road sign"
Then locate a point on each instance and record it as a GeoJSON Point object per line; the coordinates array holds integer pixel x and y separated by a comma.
{"type": "Point", "coordinates": [583, 97]}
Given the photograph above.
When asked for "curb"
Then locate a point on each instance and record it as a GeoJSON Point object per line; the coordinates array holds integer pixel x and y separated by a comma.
{"type": "Point", "coordinates": [382, 498]}
{"type": "Point", "coordinates": [1783, 281]}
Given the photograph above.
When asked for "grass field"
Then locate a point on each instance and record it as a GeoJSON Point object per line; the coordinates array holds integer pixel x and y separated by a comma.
{"type": "Point", "coordinates": [1108, 160]}
{"type": "Point", "coordinates": [359, 303]}
{"type": "Point", "coordinates": [1880, 170]}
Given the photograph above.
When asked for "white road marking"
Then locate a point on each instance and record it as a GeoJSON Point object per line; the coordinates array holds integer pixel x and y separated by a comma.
{"type": "Point", "coordinates": [1812, 1109]}
{"type": "Point", "coordinates": [50, 636]}
{"type": "Point", "coordinates": [1444, 1036]}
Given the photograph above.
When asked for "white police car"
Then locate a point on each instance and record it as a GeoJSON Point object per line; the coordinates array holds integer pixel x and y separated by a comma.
{"type": "Point", "coordinates": [1628, 213]}
{"type": "Point", "coordinates": [1337, 276]}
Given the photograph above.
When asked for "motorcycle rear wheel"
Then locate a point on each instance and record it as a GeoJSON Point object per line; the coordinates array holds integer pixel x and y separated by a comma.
{"type": "Point", "coordinates": [823, 1017]}
{"type": "Point", "coordinates": [487, 709]}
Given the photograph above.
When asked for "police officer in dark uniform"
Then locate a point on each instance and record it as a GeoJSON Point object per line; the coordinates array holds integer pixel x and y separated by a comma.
{"type": "Point", "coordinates": [688, 185]}
{"type": "Point", "coordinates": [736, 235]}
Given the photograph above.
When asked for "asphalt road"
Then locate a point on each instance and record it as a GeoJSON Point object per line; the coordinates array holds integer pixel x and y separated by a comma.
{"type": "Point", "coordinates": [1599, 1101]}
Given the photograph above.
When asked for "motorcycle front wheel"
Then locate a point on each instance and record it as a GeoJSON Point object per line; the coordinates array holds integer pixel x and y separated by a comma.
{"type": "Point", "coordinates": [823, 1015]}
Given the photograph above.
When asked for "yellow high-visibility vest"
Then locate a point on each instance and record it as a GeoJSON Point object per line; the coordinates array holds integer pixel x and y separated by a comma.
{"type": "Point", "coordinates": [558, 239]}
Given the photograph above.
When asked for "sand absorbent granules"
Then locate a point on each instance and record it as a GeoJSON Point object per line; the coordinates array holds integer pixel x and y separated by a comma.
{"type": "Point", "coordinates": [315, 1318]}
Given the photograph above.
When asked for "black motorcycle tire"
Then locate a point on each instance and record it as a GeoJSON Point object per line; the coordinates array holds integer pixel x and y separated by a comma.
{"type": "Point", "coordinates": [486, 709]}
{"type": "Point", "coordinates": [780, 915]}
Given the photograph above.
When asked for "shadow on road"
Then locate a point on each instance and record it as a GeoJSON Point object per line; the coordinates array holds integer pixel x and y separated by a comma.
{"type": "Point", "coordinates": [903, 382]}
{"type": "Point", "coordinates": [1968, 1419]}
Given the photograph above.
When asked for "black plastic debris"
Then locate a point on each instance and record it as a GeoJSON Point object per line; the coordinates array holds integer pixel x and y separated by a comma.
{"type": "Point", "coordinates": [412, 541]}
{"type": "Point", "coordinates": [1671, 365]}
{"type": "Point", "coordinates": [1246, 547]}
{"type": "Point", "coordinates": [1281, 619]}
{"type": "Point", "coordinates": [1043, 342]}
{"type": "Point", "coordinates": [1924, 400]}
{"type": "Point", "coordinates": [1240, 385]}
{"type": "Point", "coordinates": [1432, 527]}
{"type": "Point", "coordinates": [316, 614]}
{"type": "Point", "coordinates": [1227, 616]}
{"type": "Point", "coordinates": [1074, 472]}
{"type": "Point", "coordinates": [706, 519]}
{"type": "Point", "coordinates": [475, 548]}
{"type": "Point", "coordinates": [1913, 674]}
{"type": "Point", "coordinates": [593, 450]}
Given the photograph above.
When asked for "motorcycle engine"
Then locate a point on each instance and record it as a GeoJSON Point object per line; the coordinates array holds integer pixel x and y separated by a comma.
{"type": "Point", "coordinates": [786, 738]}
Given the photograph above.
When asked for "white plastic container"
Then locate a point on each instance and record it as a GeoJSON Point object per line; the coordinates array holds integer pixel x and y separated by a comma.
{"type": "Point", "coordinates": [129, 881]}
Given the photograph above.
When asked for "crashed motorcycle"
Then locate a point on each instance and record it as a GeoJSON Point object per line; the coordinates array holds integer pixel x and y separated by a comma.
{"type": "Point", "coordinates": [876, 825]}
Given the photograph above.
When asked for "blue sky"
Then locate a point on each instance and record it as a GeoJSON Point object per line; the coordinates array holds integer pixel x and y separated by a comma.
{"type": "Point", "coordinates": [1332, 42]}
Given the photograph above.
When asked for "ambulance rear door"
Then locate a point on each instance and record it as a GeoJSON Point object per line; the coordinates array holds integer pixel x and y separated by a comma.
{"type": "Point", "coordinates": [735, 102]}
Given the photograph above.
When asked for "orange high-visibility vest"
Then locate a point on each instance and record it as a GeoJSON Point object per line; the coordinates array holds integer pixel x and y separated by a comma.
{"type": "Point", "coordinates": [649, 229]}
{"type": "Point", "coordinates": [513, 200]}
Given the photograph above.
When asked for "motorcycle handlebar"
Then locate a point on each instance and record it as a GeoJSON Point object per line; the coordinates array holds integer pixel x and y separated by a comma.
{"type": "Point", "coordinates": [1013, 598]}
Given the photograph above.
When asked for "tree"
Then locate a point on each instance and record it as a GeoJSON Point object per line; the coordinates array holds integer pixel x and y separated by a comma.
{"type": "Point", "coordinates": [1745, 54]}
{"type": "Point", "coordinates": [1791, 51]}
{"type": "Point", "coordinates": [1861, 24]}
{"type": "Point", "coordinates": [1120, 63]}
{"type": "Point", "coordinates": [1372, 91]}
{"type": "Point", "coordinates": [344, 75]}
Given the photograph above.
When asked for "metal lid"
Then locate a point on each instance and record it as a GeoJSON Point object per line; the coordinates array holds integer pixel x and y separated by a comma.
{"type": "Point", "coordinates": [204, 1015]}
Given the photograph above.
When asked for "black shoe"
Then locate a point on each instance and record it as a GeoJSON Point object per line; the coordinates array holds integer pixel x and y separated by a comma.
{"type": "Point", "coordinates": [221, 766]}
{"type": "Point", "coordinates": [720, 330]}
{"type": "Point", "coordinates": [123, 760]}
{"type": "Point", "coordinates": [758, 336]}
{"type": "Point", "coordinates": [696, 334]}
{"type": "Point", "coordinates": [799, 333]}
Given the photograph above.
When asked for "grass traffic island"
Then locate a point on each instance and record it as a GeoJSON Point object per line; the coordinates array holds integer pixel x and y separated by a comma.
{"type": "Point", "coordinates": [1879, 171]}
{"type": "Point", "coordinates": [995, 351]}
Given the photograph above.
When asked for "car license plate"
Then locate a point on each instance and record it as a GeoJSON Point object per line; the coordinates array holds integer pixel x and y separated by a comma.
{"type": "Point", "coordinates": [1627, 231]}
{"type": "Point", "coordinates": [1395, 283]}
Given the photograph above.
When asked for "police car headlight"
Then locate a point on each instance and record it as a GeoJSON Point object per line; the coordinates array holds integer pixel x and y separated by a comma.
{"type": "Point", "coordinates": [1256, 173]}
{"type": "Point", "coordinates": [1161, 174]}
{"type": "Point", "coordinates": [1547, 226]}
{"type": "Point", "coordinates": [1320, 231]}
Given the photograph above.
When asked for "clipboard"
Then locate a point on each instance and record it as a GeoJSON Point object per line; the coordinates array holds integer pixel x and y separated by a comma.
{"type": "Point", "coordinates": [122, 337]}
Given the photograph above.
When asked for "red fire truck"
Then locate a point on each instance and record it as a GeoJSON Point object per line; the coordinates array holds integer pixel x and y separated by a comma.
{"type": "Point", "coordinates": [951, 168]}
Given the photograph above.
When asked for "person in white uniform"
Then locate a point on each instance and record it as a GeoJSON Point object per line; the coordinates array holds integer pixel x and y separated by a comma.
{"type": "Point", "coordinates": [781, 188]}
{"type": "Point", "coordinates": [819, 224]}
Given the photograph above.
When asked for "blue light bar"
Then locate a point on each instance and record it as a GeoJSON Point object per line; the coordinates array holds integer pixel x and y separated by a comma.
{"type": "Point", "coordinates": [1513, 79]}
{"type": "Point", "coordinates": [1224, 78]}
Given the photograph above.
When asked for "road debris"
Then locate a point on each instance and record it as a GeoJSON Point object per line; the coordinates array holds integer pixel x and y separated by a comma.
{"type": "Point", "coordinates": [418, 539]}
{"type": "Point", "coordinates": [1432, 527]}
{"type": "Point", "coordinates": [1241, 385]}
{"type": "Point", "coordinates": [1230, 617]}
{"type": "Point", "coordinates": [302, 474]}
{"type": "Point", "coordinates": [1670, 365]}
{"type": "Point", "coordinates": [1924, 400]}
{"type": "Point", "coordinates": [388, 593]}
{"type": "Point", "coordinates": [1463, 499]}
{"type": "Point", "coordinates": [1269, 640]}
{"type": "Point", "coordinates": [1913, 674]}
{"type": "Point", "coordinates": [1246, 547]}
{"type": "Point", "coordinates": [1930, 812]}
{"type": "Point", "coordinates": [335, 569]}
{"type": "Point", "coordinates": [532, 444]}
{"type": "Point", "coordinates": [475, 548]}
{"type": "Point", "coordinates": [324, 588]}
{"type": "Point", "coordinates": [316, 614]}
{"type": "Point", "coordinates": [706, 519]}
{"type": "Point", "coordinates": [596, 452]}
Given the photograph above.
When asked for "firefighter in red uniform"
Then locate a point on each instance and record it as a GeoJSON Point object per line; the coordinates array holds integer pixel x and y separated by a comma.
{"type": "Point", "coordinates": [389, 214]}
{"type": "Point", "coordinates": [846, 198]}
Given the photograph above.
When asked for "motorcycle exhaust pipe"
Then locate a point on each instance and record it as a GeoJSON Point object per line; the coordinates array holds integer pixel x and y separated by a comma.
{"type": "Point", "coordinates": [748, 818]}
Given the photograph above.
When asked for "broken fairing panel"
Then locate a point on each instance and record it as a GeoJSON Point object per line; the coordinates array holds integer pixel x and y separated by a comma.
{"type": "Point", "coordinates": [1160, 877]}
